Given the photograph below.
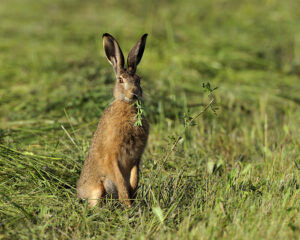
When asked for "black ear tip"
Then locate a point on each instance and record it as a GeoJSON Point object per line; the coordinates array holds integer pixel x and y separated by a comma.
{"type": "Point", "coordinates": [145, 35]}
{"type": "Point", "coordinates": [106, 35]}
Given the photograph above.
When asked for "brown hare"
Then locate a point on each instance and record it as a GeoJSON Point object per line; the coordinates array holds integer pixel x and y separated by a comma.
{"type": "Point", "coordinates": [112, 164]}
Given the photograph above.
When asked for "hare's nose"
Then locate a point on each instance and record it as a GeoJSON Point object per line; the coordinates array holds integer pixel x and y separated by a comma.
{"type": "Point", "coordinates": [135, 91]}
{"type": "Point", "coordinates": [135, 97]}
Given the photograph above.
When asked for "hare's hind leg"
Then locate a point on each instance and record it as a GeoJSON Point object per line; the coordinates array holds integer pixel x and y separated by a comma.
{"type": "Point", "coordinates": [92, 192]}
{"type": "Point", "coordinates": [95, 194]}
{"type": "Point", "coordinates": [134, 180]}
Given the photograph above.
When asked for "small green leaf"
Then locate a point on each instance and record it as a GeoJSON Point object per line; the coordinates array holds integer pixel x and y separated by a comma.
{"type": "Point", "coordinates": [140, 113]}
{"type": "Point", "coordinates": [159, 214]}
{"type": "Point", "coordinates": [210, 167]}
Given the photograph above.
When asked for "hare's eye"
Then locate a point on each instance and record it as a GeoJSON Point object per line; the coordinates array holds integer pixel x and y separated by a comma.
{"type": "Point", "coordinates": [120, 80]}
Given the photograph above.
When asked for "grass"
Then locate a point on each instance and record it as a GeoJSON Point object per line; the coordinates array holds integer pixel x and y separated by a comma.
{"type": "Point", "coordinates": [234, 175]}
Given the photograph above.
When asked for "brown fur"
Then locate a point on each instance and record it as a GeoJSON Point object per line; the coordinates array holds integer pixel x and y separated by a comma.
{"type": "Point", "coordinates": [112, 164]}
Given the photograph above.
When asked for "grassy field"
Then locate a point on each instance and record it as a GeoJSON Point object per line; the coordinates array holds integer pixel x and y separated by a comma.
{"type": "Point", "coordinates": [233, 175]}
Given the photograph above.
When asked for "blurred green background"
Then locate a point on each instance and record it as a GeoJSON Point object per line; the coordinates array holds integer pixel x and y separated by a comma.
{"type": "Point", "coordinates": [234, 175]}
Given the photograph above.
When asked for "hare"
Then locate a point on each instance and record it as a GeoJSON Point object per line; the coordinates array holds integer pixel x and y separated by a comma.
{"type": "Point", "coordinates": [112, 164]}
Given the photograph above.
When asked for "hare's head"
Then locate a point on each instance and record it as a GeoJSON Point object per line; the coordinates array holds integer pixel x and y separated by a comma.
{"type": "Point", "coordinates": [127, 86]}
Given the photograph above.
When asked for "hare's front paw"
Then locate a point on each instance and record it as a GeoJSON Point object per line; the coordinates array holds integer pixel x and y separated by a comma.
{"type": "Point", "coordinates": [127, 202]}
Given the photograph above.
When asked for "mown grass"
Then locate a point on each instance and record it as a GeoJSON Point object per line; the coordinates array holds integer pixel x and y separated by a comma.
{"type": "Point", "coordinates": [234, 175]}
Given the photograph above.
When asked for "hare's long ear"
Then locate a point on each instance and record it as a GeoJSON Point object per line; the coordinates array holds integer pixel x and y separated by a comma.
{"type": "Point", "coordinates": [113, 52]}
{"type": "Point", "coordinates": [136, 53]}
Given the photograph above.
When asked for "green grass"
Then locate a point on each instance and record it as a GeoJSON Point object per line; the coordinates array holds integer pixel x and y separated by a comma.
{"type": "Point", "coordinates": [234, 175]}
